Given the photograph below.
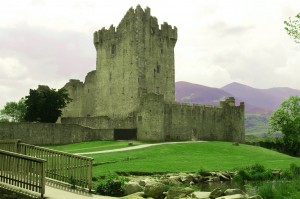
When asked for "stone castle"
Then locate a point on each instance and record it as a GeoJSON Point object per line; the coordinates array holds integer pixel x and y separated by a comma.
{"type": "Point", "coordinates": [132, 90]}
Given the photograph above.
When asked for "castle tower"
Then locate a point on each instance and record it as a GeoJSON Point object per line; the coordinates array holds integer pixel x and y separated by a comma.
{"type": "Point", "coordinates": [135, 58]}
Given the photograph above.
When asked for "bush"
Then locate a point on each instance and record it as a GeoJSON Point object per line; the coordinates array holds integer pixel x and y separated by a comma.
{"type": "Point", "coordinates": [256, 172]}
{"type": "Point", "coordinates": [111, 185]}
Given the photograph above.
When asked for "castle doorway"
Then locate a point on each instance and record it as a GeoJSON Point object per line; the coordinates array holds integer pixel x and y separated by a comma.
{"type": "Point", "coordinates": [125, 134]}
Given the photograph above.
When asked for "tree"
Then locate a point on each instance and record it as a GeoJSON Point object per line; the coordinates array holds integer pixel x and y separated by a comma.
{"type": "Point", "coordinates": [14, 111]}
{"type": "Point", "coordinates": [287, 120]}
{"type": "Point", "coordinates": [293, 28]}
{"type": "Point", "coordinates": [45, 104]}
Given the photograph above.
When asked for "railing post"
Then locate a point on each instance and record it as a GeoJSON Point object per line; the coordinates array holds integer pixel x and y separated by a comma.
{"type": "Point", "coordinates": [43, 179]}
{"type": "Point", "coordinates": [90, 175]}
{"type": "Point", "coordinates": [17, 146]}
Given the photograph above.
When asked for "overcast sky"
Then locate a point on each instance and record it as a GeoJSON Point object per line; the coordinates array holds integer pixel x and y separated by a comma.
{"type": "Point", "coordinates": [219, 41]}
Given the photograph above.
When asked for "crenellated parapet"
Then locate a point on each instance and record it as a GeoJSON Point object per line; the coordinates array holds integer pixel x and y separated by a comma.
{"type": "Point", "coordinates": [133, 22]}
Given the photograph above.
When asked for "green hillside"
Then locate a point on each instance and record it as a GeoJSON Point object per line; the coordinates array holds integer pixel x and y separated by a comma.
{"type": "Point", "coordinates": [190, 157]}
{"type": "Point", "coordinates": [256, 124]}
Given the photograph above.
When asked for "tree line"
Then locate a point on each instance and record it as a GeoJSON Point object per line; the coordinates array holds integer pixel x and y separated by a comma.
{"type": "Point", "coordinates": [41, 105]}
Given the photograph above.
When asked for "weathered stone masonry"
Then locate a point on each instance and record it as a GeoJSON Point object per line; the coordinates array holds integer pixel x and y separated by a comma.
{"type": "Point", "coordinates": [133, 87]}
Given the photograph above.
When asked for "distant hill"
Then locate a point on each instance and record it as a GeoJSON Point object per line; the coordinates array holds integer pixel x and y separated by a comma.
{"type": "Point", "coordinates": [269, 99]}
{"type": "Point", "coordinates": [199, 94]}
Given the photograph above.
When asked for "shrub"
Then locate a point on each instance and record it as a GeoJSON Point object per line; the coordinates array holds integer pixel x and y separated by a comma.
{"type": "Point", "coordinates": [254, 172]}
{"type": "Point", "coordinates": [111, 185]}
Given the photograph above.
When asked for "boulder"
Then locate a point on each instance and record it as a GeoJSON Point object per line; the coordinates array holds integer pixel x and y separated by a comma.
{"type": "Point", "coordinates": [154, 189]}
{"type": "Point", "coordinates": [235, 196]}
{"type": "Point", "coordinates": [255, 197]}
{"type": "Point", "coordinates": [176, 192]}
{"type": "Point", "coordinates": [187, 179]}
{"type": "Point", "coordinates": [200, 195]}
{"type": "Point", "coordinates": [222, 177]}
{"type": "Point", "coordinates": [216, 193]}
{"type": "Point", "coordinates": [233, 192]}
{"type": "Point", "coordinates": [145, 181]}
{"type": "Point", "coordinates": [138, 195]}
{"type": "Point", "coordinates": [132, 187]}
{"type": "Point", "coordinates": [172, 180]}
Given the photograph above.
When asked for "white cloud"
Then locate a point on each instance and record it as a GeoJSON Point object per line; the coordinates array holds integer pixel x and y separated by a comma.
{"type": "Point", "coordinates": [11, 67]}
{"type": "Point", "coordinates": [49, 42]}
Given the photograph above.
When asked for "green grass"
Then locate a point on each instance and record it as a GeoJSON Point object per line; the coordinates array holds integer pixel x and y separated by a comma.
{"type": "Point", "coordinates": [92, 146]}
{"type": "Point", "coordinates": [190, 158]}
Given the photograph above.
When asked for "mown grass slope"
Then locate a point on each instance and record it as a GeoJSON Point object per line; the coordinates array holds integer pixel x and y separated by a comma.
{"type": "Point", "coordinates": [190, 157]}
{"type": "Point", "coordinates": [183, 157]}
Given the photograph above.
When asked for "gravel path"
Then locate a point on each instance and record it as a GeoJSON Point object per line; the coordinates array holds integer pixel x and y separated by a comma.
{"type": "Point", "coordinates": [135, 147]}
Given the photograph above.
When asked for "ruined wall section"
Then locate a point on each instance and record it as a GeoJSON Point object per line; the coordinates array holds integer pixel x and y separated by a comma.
{"type": "Point", "coordinates": [75, 90]}
{"type": "Point", "coordinates": [202, 122]}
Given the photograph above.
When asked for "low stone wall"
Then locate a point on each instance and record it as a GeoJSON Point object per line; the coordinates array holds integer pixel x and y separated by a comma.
{"type": "Point", "coordinates": [50, 134]}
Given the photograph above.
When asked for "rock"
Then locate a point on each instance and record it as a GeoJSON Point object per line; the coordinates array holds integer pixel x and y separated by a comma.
{"type": "Point", "coordinates": [223, 177]}
{"type": "Point", "coordinates": [200, 195]}
{"type": "Point", "coordinates": [233, 192]}
{"type": "Point", "coordinates": [154, 189]}
{"type": "Point", "coordinates": [213, 179]}
{"type": "Point", "coordinates": [132, 187]}
{"type": "Point", "coordinates": [216, 193]}
{"type": "Point", "coordinates": [138, 195]}
{"type": "Point", "coordinates": [145, 181]}
{"type": "Point", "coordinates": [255, 197]}
{"type": "Point", "coordinates": [172, 180]}
{"type": "Point", "coordinates": [235, 196]}
{"type": "Point", "coordinates": [174, 193]}
{"type": "Point", "coordinates": [187, 179]}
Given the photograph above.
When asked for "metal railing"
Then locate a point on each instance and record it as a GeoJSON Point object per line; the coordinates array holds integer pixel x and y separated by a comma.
{"type": "Point", "coordinates": [22, 171]}
{"type": "Point", "coordinates": [73, 169]}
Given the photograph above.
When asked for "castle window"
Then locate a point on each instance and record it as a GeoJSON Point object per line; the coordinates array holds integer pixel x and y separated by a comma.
{"type": "Point", "coordinates": [140, 118]}
{"type": "Point", "coordinates": [158, 68]}
{"type": "Point", "coordinates": [113, 49]}
{"type": "Point", "coordinates": [123, 91]}
{"type": "Point", "coordinates": [161, 51]}
{"type": "Point", "coordinates": [110, 76]}
{"type": "Point", "coordinates": [157, 90]}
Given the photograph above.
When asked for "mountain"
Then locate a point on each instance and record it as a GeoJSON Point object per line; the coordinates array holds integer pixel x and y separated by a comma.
{"type": "Point", "coordinates": [199, 94]}
{"type": "Point", "coordinates": [269, 99]}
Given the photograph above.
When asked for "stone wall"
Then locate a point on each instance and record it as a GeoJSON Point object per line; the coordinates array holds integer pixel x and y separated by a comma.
{"type": "Point", "coordinates": [202, 122]}
{"type": "Point", "coordinates": [49, 134]}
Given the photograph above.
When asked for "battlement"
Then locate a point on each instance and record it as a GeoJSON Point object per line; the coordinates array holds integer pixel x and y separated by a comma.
{"type": "Point", "coordinates": [134, 21]}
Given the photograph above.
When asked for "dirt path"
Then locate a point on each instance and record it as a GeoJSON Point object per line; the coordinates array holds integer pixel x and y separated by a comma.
{"type": "Point", "coordinates": [134, 147]}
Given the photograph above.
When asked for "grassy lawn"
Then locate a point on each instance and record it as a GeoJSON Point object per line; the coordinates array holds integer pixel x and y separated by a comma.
{"type": "Point", "coordinates": [190, 158]}
{"type": "Point", "coordinates": [92, 146]}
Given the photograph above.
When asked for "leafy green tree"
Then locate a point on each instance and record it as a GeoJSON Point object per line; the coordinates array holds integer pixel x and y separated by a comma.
{"type": "Point", "coordinates": [287, 120]}
{"type": "Point", "coordinates": [14, 110]}
{"type": "Point", "coordinates": [293, 27]}
{"type": "Point", "coordinates": [45, 104]}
